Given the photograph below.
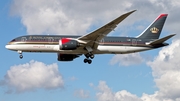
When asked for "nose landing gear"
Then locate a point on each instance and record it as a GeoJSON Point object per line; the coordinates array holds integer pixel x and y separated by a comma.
{"type": "Point", "coordinates": [20, 56]}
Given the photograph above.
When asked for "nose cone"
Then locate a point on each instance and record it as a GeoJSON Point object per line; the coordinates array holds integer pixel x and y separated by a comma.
{"type": "Point", "coordinates": [7, 46]}
{"type": "Point", "coordinates": [10, 47]}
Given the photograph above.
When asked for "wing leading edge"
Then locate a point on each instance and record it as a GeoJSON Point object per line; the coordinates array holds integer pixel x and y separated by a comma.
{"type": "Point", "coordinates": [96, 36]}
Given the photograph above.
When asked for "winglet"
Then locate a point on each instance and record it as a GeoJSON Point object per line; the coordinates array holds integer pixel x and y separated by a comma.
{"type": "Point", "coordinates": [119, 19]}
{"type": "Point", "coordinates": [122, 17]}
{"type": "Point", "coordinates": [131, 11]}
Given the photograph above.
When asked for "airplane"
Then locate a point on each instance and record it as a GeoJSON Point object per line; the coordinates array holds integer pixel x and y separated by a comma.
{"type": "Point", "coordinates": [69, 47]}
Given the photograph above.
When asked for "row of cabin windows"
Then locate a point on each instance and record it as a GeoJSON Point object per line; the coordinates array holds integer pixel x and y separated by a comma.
{"type": "Point", "coordinates": [115, 41]}
{"type": "Point", "coordinates": [56, 40]}
{"type": "Point", "coordinates": [50, 39]}
{"type": "Point", "coordinates": [24, 39]}
{"type": "Point", "coordinates": [112, 41]}
{"type": "Point", "coordinates": [119, 41]}
{"type": "Point", "coordinates": [40, 39]}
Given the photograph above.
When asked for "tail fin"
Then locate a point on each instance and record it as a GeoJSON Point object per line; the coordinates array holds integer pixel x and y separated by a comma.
{"type": "Point", "coordinates": [153, 31]}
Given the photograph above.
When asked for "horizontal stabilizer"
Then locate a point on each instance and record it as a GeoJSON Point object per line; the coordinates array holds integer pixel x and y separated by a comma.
{"type": "Point", "coordinates": [160, 41]}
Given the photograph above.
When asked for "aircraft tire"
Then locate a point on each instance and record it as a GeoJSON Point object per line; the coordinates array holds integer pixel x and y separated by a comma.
{"type": "Point", "coordinates": [92, 56]}
{"type": "Point", "coordinates": [21, 56]}
{"type": "Point", "coordinates": [85, 60]}
{"type": "Point", "coordinates": [89, 61]}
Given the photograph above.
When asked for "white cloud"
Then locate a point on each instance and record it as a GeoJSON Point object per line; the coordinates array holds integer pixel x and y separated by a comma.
{"type": "Point", "coordinates": [127, 59]}
{"type": "Point", "coordinates": [81, 93]}
{"type": "Point", "coordinates": [66, 17]}
{"type": "Point", "coordinates": [106, 94]}
{"type": "Point", "coordinates": [48, 17]}
{"type": "Point", "coordinates": [76, 17]}
{"type": "Point", "coordinates": [153, 97]}
{"type": "Point", "coordinates": [33, 75]}
{"type": "Point", "coordinates": [166, 70]}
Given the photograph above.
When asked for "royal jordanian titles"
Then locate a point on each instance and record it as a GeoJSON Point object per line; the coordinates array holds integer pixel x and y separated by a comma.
{"type": "Point", "coordinates": [97, 42]}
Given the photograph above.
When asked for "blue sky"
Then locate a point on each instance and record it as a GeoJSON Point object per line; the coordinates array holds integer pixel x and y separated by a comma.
{"type": "Point", "coordinates": [99, 81]}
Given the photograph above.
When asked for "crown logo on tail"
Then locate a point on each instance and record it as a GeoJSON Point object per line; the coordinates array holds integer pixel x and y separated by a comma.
{"type": "Point", "coordinates": [154, 30]}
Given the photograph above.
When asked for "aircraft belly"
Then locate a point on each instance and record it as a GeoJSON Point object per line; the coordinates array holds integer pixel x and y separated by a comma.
{"type": "Point", "coordinates": [110, 49]}
{"type": "Point", "coordinates": [121, 49]}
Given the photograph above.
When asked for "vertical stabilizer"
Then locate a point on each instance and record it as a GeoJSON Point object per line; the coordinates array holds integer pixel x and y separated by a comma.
{"type": "Point", "coordinates": [153, 31]}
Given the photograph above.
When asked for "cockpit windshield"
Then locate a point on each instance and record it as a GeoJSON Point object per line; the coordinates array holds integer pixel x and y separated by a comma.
{"type": "Point", "coordinates": [13, 40]}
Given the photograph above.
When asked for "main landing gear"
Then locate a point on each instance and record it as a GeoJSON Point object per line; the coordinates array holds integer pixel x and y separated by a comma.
{"type": "Point", "coordinates": [88, 58]}
{"type": "Point", "coordinates": [20, 56]}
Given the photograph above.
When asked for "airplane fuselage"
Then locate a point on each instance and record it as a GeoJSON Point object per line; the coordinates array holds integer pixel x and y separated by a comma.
{"type": "Point", "coordinates": [50, 43]}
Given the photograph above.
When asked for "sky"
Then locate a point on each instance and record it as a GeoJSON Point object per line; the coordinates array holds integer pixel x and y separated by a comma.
{"type": "Point", "coordinates": [145, 76]}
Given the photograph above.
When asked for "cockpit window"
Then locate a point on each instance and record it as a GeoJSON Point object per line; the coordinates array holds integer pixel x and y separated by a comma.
{"type": "Point", "coordinates": [13, 40]}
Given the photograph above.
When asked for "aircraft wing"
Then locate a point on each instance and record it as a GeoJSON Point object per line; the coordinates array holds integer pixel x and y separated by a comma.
{"type": "Point", "coordinates": [92, 39]}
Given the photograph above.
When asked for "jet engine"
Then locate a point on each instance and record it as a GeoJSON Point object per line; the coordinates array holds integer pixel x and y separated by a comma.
{"type": "Point", "coordinates": [68, 44]}
{"type": "Point", "coordinates": [67, 57]}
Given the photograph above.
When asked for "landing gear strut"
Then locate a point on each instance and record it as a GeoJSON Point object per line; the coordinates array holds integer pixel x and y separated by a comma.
{"type": "Point", "coordinates": [88, 58]}
{"type": "Point", "coordinates": [20, 56]}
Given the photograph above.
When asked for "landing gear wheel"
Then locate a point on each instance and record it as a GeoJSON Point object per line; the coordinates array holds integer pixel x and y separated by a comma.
{"type": "Point", "coordinates": [21, 56]}
{"type": "Point", "coordinates": [89, 55]}
{"type": "Point", "coordinates": [20, 52]}
{"type": "Point", "coordinates": [85, 60]}
{"type": "Point", "coordinates": [89, 61]}
{"type": "Point", "coordinates": [92, 56]}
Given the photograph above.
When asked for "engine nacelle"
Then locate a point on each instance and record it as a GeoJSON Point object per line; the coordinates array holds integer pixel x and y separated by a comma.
{"type": "Point", "coordinates": [68, 44]}
{"type": "Point", "coordinates": [66, 57]}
